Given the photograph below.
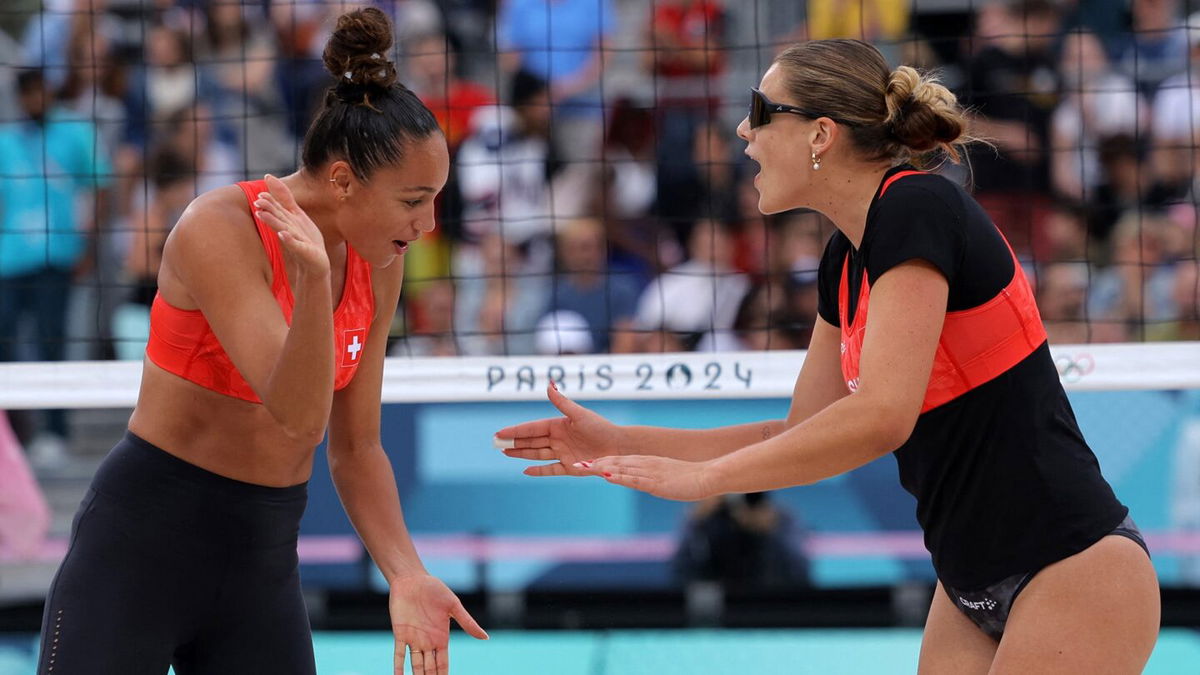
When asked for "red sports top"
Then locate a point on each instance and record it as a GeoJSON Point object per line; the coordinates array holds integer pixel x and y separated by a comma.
{"type": "Point", "coordinates": [976, 344]}
{"type": "Point", "coordinates": [181, 341]}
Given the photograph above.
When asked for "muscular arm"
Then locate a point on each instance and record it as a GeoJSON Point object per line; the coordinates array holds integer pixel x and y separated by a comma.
{"type": "Point", "coordinates": [818, 385]}
{"type": "Point", "coordinates": [908, 307]}
{"type": "Point", "coordinates": [360, 469]}
{"type": "Point", "coordinates": [213, 261]}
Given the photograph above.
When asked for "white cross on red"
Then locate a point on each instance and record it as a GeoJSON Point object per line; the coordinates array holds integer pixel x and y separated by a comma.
{"type": "Point", "coordinates": [354, 348]}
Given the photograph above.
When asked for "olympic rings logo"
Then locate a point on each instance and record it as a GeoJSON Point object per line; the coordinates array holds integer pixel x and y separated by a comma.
{"type": "Point", "coordinates": [1074, 368]}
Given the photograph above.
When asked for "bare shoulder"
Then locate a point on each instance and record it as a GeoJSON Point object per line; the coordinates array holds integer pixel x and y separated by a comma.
{"type": "Point", "coordinates": [215, 231]}
{"type": "Point", "coordinates": [214, 218]}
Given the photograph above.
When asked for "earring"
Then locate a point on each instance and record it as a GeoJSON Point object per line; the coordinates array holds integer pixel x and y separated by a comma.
{"type": "Point", "coordinates": [816, 162]}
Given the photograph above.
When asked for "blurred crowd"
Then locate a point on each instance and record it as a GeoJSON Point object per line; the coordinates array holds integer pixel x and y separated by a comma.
{"type": "Point", "coordinates": [599, 200]}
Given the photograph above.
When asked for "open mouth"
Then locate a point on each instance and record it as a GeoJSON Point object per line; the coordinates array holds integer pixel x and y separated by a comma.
{"type": "Point", "coordinates": [400, 244]}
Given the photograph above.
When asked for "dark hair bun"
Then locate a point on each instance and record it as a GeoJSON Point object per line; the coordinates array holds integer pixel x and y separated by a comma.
{"type": "Point", "coordinates": [922, 114]}
{"type": "Point", "coordinates": [357, 55]}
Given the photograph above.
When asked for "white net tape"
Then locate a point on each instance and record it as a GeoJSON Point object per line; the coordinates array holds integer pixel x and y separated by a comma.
{"type": "Point", "coordinates": [114, 384]}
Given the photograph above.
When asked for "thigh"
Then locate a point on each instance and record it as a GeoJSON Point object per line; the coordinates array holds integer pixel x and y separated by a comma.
{"type": "Point", "coordinates": [1095, 612]}
{"type": "Point", "coordinates": [105, 611]}
{"type": "Point", "coordinates": [262, 629]}
{"type": "Point", "coordinates": [952, 644]}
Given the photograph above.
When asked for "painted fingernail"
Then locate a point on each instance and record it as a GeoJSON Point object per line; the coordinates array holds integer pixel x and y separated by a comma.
{"type": "Point", "coordinates": [607, 474]}
{"type": "Point", "coordinates": [553, 385]}
{"type": "Point", "coordinates": [582, 465]}
{"type": "Point", "coordinates": [504, 443]}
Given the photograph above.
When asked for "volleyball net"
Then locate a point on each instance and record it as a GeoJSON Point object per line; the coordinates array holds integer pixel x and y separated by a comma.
{"type": "Point", "coordinates": [598, 200]}
{"type": "Point", "coordinates": [600, 230]}
{"type": "Point", "coordinates": [482, 525]}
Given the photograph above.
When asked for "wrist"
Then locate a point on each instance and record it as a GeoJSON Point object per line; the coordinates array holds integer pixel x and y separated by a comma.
{"type": "Point", "coordinates": [713, 478]}
{"type": "Point", "coordinates": [401, 574]}
{"type": "Point", "coordinates": [627, 441]}
{"type": "Point", "coordinates": [313, 276]}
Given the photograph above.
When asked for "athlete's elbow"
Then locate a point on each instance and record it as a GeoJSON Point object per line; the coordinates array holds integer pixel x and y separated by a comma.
{"type": "Point", "coordinates": [305, 430]}
{"type": "Point", "coordinates": [892, 426]}
{"type": "Point", "coordinates": [306, 435]}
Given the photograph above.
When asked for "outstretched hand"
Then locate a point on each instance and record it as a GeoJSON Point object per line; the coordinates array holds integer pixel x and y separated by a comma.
{"type": "Point", "coordinates": [421, 607]}
{"type": "Point", "coordinates": [660, 476]}
{"type": "Point", "coordinates": [579, 435]}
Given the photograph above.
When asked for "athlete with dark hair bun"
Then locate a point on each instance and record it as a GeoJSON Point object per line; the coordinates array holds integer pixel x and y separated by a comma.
{"type": "Point", "coordinates": [269, 328]}
{"type": "Point", "coordinates": [928, 345]}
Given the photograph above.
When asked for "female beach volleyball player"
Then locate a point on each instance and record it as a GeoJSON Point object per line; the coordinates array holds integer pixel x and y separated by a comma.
{"type": "Point", "coordinates": [1040, 569]}
{"type": "Point", "coordinates": [270, 324]}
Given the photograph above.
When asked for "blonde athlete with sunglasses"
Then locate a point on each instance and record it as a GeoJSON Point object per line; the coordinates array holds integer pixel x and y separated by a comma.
{"type": "Point", "coordinates": [929, 346]}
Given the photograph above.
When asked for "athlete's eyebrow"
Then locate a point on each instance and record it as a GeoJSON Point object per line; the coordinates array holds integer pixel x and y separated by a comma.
{"type": "Point", "coordinates": [418, 188]}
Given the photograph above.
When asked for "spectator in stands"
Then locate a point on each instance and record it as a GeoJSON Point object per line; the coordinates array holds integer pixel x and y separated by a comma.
{"type": "Point", "coordinates": [620, 191]}
{"type": "Point", "coordinates": [174, 189]}
{"type": "Point", "coordinates": [189, 132]}
{"type": "Point", "coordinates": [50, 163]}
{"type": "Point", "coordinates": [883, 23]}
{"type": "Point", "coordinates": [497, 310]}
{"type": "Point", "coordinates": [431, 63]}
{"type": "Point", "coordinates": [696, 297]}
{"type": "Point", "coordinates": [432, 66]}
{"type": "Point", "coordinates": [93, 91]}
{"type": "Point", "coordinates": [564, 332]}
{"type": "Point", "coordinates": [1131, 184]}
{"type": "Point", "coordinates": [504, 172]}
{"type": "Point", "coordinates": [1187, 302]}
{"type": "Point", "coordinates": [1156, 45]}
{"type": "Point", "coordinates": [1062, 300]}
{"type": "Point", "coordinates": [1176, 119]}
{"type": "Point", "coordinates": [48, 31]}
{"type": "Point", "coordinates": [584, 285]}
{"type": "Point", "coordinates": [742, 542]}
{"type": "Point", "coordinates": [685, 61]}
{"type": "Point", "coordinates": [1097, 103]}
{"type": "Point", "coordinates": [1012, 84]}
{"type": "Point", "coordinates": [505, 166]}
{"type": "Point", "coordinates": [764, 322]}
{"type": "Point", "coordinates": [171, 78]}
{"type": "Point", "coordinates": [563, 43]}
{"type": "Point", "coordinates": [1135, 294]}
{"type": "Point", "coordinates": [300, 31]}
{"type": "Point", "coordinates": [237, 55]}
{"type": "Point", "coordinates": [1064, 237]}
{"type": "Point", "coordinates": [429, 328]}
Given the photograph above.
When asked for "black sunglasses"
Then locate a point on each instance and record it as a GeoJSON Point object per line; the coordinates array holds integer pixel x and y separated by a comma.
{"type": "Point", "coordinates": [761, 109]}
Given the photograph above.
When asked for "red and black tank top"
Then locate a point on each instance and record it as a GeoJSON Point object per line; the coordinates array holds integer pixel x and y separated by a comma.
{"type": "Point", "coordinates": [1003, 479]}
{"type": "Point", "coordinates": [975, 345]}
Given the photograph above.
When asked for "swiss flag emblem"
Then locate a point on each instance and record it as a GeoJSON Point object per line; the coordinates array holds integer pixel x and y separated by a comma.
{"type": "Point", "coordinates": [353, 343]}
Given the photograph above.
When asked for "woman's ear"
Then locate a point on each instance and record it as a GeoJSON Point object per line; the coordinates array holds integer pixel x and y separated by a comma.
{"type": "Point", "coordinates": [823, 134]}
{"type": "Point", "coordinates": [341, 180]}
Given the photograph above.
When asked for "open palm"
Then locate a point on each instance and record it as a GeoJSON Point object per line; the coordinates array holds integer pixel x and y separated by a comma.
{"type": "Point", "coordinates": [580, 435]}
{"type": "Point", "coordinates": [421, 607]}
{"type": "Point", "coordinates": [300, 238]}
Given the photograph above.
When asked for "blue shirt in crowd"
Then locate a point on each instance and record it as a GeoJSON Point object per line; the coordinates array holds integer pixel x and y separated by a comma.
{"type": "Point", "coordinates": [603, 305]}
{"type": "Point", "coordinates": [556, 38]}
{"type": "Point", "coordinates": [43, 170]}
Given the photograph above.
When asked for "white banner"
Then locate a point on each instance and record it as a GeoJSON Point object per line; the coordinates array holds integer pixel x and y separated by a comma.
{"type": "Point", "coordinates": [114, 384]}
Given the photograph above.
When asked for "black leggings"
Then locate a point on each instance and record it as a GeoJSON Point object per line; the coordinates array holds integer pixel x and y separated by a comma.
{"type": "Point", "coordinates": [170, 564]}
